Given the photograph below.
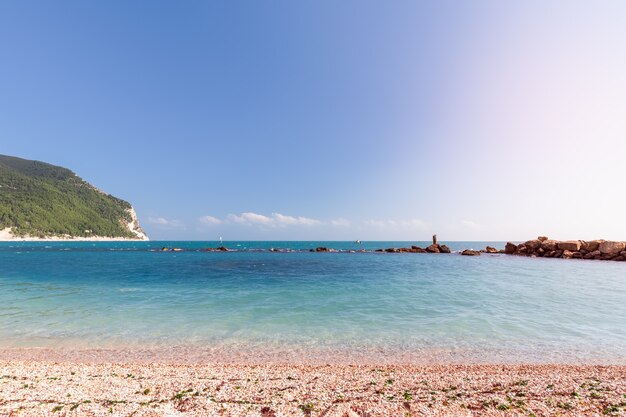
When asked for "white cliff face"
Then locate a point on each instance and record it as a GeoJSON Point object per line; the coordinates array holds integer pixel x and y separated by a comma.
{"type": "Point", "coordinates": [133, 226]}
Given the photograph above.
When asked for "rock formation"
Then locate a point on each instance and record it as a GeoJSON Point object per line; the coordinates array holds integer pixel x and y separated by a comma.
{"type": "Point", "coordinates": [604, 250]}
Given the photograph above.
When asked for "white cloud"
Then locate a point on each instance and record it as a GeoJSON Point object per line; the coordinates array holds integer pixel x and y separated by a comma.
{"type": "Point", "coordinates": [250, 218]}
{"type": "Point", "coordinates": [290, 220]}
{"type": "Point", "coordinates": [340, 222]}
{"type": "Point", "coordinates": [163, 222]}
{"type": "Point", "coordinates": [209, 220]}
{"type": "Point", "coordinates": [277, 220]}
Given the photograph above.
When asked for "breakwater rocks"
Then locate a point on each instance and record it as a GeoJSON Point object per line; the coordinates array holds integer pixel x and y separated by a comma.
{"type": "Point", "coordinates": [434, 248]}
{"type": "Point", "coordinates": [604, 250]}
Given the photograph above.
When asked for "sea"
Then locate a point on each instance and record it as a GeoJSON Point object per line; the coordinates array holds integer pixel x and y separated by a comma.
{"type": "Point", "coordinates": [397, 306]}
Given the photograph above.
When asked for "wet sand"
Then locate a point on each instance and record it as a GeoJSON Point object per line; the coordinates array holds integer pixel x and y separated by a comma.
{"type": "Point", "coordinates": [97, 385]}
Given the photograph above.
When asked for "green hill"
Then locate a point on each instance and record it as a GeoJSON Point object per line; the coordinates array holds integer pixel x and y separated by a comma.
{"type": "Point", "coordinates": [43, 200]}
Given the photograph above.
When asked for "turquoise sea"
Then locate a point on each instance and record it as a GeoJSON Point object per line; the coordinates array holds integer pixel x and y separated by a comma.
{"type": "Point", "coordinates": [490, 307]}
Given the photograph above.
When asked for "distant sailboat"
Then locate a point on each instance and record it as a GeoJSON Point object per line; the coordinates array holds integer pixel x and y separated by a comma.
{"type": "Point", "coordinates": [358, 242]}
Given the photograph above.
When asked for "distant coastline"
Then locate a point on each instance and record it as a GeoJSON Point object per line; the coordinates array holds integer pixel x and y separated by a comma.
{"type": "Point", "coordinates": [6, 235]}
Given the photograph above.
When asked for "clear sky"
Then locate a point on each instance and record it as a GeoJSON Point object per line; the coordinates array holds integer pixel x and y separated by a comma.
{"type": "Point", "coordinates": [475, 120]}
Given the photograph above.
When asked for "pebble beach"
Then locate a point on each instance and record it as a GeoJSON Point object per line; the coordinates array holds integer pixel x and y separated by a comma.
{"type": "Point", "coordinates": [73, 388]}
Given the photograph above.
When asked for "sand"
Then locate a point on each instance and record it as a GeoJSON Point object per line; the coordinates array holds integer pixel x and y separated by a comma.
{"type": "Point", "coordinates": [93, 387]}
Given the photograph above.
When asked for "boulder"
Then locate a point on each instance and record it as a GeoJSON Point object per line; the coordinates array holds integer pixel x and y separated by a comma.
{"type": "Point", "coordinates": [444, 249]}
{"type": "Point", "coordinates": [570, 245]}
{"type": "Point", "coordinates": [470, 252]}
{"type": "Point", "coordinates": [610, 247]}
{"type": "Point", "coordinates": [391, 250]}
{"type": "Point", "coordinates": [510, 248]}
{"type": "Point", "coordinates": [417, 249]}
{"type": "Point", "coordinates": [550, 254]}
{"type": "Point", "coordinates": [620, 258]}
{"type": "Point", "coordinates": [542, 238]}
{"type": "Point", "coordinates": [567, 254]}
{"type": "Point", "coordinates": [434, 248]}
{"type": "Point", "coordinates": [577, 255]}
{"type": "Point", "coordinates": [533, 245]}
{"type": "Point", "coordinates": [321, 249]}
{"type": "Point", "coordinates": [592, 255]}
{"type": "Point", "coordinates": [549, 245]}
{"type": "Point", "coordinates": [490, 249]}
{"type": "Point", "coordinates": [591, 245]}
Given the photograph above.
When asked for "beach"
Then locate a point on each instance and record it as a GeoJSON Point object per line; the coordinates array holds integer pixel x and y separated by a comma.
{"type": "Point", "coordinates": [97, 386]}
{"type": "Point", "coordinates": [123, 328]}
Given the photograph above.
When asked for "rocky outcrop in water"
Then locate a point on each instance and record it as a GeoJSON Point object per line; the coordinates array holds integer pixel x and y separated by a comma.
{"type": "Point", "coordinates": [603, 250]}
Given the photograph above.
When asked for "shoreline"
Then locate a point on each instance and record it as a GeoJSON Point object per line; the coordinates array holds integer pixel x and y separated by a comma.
{"type": "Point", "coordinates": [35, 388]}
{"type": "Point", "coordinates": [227, 354]}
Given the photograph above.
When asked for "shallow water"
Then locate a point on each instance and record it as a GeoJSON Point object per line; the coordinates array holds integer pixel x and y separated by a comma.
{"type": "Point", "coordinates": [129, 295]}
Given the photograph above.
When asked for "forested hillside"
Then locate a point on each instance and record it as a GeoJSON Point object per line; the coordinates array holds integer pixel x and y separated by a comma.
{"type": "Point", "coordinates": [42, 200]}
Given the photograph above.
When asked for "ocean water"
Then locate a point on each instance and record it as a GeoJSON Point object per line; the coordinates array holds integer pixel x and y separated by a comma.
{"type": "Point", "coordinates": [129, 295]}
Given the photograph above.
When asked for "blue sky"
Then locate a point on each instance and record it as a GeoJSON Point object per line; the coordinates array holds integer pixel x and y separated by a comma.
{"type": "Point", "coordinates": [329, 120]}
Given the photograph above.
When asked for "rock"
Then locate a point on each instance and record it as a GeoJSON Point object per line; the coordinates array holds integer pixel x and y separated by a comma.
{"type": "Point", "coordinates": [377, 250]}
{"type": "Point", "coordinates": [623, 253]}
{"type": "Point", "coordinates": [417, 249]}
{"type": "Point", "coordinates": [577, 255]}
{"type": "Point", "coordinates": [510, 248]}
{"type": "Point", "coordinates": [522, 249]}
{"type": "Point", "coordinates": [570, 245]}
{"type": "Point", "coordinates": [533, 245]}
{"type": "Point", "coordinates": [592, 255]}
{"type": "Point", "coordinates": [470, 252]}
{"type": "Point", "coordinates": [549, 245]}
{"type": "Point", "coordinates": [567, 254]}
{"type": "Point", "coordinates": [490, 249]}
{"type": "Point", "coordinates": [433, 249]}
{"type": "Point", "coordinates": [607, 257]}
{"type": "Point", "coordinates": [620, 258]}
{"type": "Point", "coordinates": [558, 253]}
{"type": "Point", "coordinates": [444, 249]}
{"type": "Point", "coordinates": [542, 238]}
{"type": "Point", "coordinates": [540, 252]}
{"type": "Point", "coordinates": [610, 247]}
{"type": "Point", "coordinates": [590, 246]}
{"type": "Point", "coordinates": [320, 249]}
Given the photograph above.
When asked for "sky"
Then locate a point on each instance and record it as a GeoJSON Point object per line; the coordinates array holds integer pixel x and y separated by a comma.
{"type": "Point", "coordinates": [329, 120]}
